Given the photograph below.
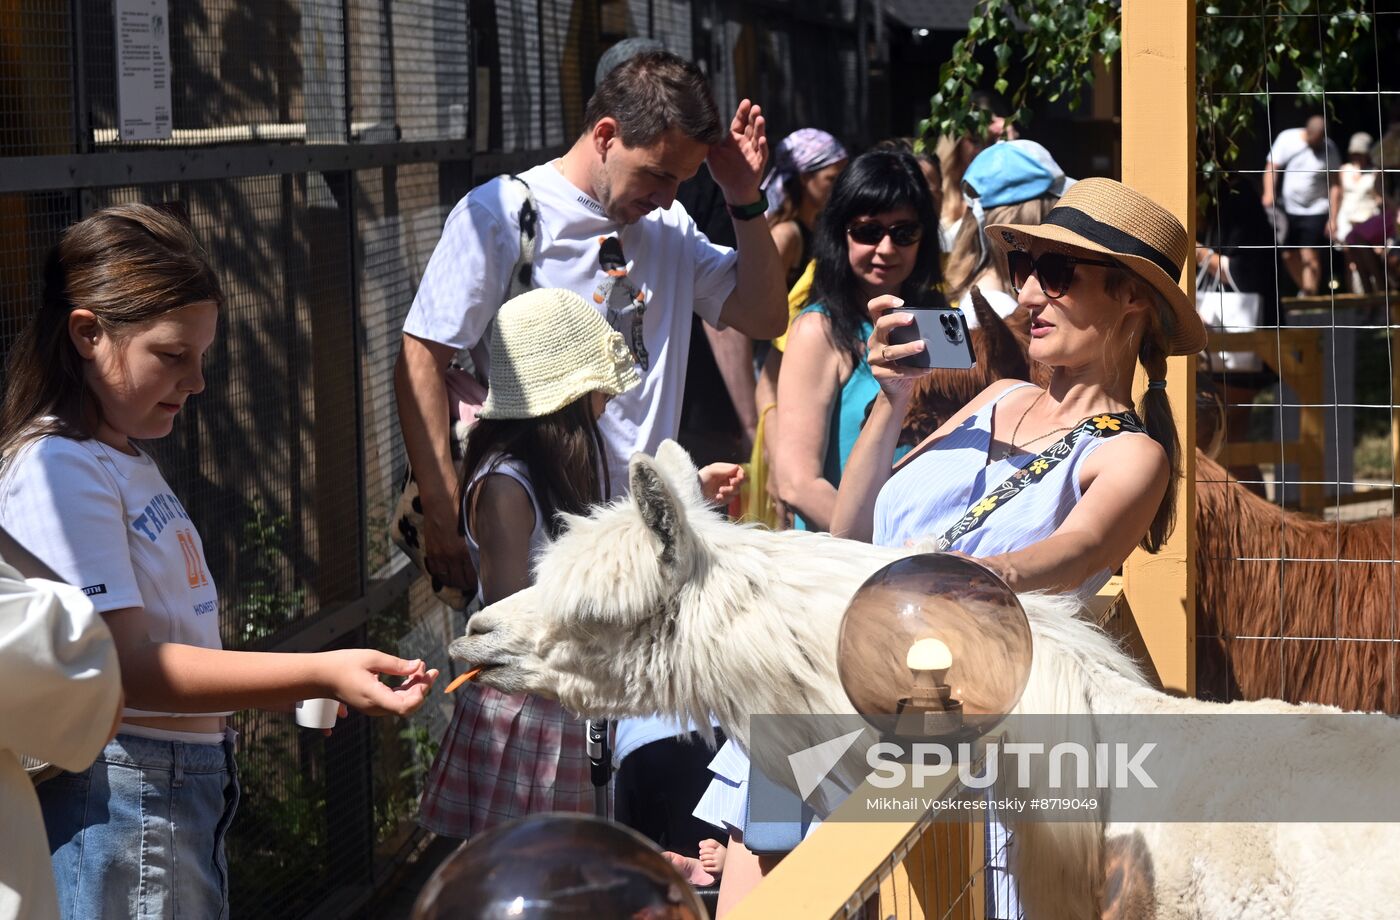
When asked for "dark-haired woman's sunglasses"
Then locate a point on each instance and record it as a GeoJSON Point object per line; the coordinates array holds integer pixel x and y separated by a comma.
{"type": "Point", "coordinates": [1054, 270]}
{"type": "Point", "coordinates": [871, 232]}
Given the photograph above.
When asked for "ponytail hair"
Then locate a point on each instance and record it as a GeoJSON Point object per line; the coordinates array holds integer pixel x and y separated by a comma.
{"type": "Point", "coordinates": [1154, 408]}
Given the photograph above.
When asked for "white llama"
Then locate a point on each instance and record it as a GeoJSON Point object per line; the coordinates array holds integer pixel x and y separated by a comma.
{"type": "Point", "coordinates": [654, 604]}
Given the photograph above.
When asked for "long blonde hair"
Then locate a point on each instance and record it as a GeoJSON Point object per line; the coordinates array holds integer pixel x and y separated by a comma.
{"type": "Point", "coordinates": [970, 255]}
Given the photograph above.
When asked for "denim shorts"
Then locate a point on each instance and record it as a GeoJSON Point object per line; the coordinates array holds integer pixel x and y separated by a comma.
{"type": "Point", "coordinates": [140, 833]}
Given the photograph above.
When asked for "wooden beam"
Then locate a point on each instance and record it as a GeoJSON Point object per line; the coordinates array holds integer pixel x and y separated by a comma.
{"type": "Point", "coordinates": [909, 866]}
{"type": "Point", "coordinates": [1159, 160]}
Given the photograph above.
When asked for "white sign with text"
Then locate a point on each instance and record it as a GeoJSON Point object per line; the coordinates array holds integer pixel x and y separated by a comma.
{"type": "Point", "coordinates": [142, 29]}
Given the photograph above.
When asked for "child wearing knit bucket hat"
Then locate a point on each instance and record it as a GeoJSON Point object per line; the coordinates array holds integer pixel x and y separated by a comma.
{"type": "Point", "coordinates": [534, 455]}
{"type": "Point", "coordinates": [550, 348]}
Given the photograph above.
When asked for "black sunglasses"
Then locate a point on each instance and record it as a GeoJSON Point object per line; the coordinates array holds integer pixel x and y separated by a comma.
{"type": "Point", "coordinates": [871, 232]}
{"type": "Point", "coordinates": [1054, 270]}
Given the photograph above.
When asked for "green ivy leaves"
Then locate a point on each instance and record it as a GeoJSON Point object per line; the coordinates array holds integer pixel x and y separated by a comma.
{"type": "Point", "coordinates": [1244, 49]}
{"type": "Point", "coordinates": [1062, 40]}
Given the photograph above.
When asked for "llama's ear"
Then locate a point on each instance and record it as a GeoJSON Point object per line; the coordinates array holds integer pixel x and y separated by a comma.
{"type": "Point", "coordinates": [986, 316]}
{"type": "Point", "coordinates": [998, 350]}
{"type": "Point", "coordinates": [680, 472]}
{"type": "Point", "coordinates": [662, 511]}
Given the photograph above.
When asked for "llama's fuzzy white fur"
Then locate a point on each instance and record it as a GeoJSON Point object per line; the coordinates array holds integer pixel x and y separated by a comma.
{"type": "Point", "coordinates": [655, 605]}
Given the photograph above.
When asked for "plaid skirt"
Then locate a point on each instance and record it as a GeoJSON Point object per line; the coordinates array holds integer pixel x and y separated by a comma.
{"type": "Point", "coordinates": [505, 756]}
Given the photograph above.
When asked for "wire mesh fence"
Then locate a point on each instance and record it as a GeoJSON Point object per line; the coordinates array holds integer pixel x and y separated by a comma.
{"type": "Point", "coordinates": [1296, 559]}
{"type": "Point", "coordinates": [317, 148]}
{"type": "Point", "coordinates": [942, 866]}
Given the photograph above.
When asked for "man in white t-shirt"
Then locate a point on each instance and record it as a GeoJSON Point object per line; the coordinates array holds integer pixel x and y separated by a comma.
{"type": "Point", "coordinates": [609, 228]}
{"type": "Point", "coordinates": [1311, 193]}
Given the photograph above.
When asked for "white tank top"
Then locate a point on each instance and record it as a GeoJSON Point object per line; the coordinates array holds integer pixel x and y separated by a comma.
{"type": "Point", "coordinates": [505, 466]}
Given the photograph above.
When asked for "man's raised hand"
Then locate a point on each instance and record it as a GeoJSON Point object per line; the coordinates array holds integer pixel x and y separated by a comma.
{"type": "Point", "coordinates": [737, 162]}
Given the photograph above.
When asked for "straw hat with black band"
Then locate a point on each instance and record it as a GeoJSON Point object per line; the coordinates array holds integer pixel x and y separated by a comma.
{"type": "Point", "coordinates": [1106, 217]}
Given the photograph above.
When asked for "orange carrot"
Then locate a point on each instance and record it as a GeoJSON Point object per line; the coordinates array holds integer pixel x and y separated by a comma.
{"type": "Point", "coordinates": [462, 679]}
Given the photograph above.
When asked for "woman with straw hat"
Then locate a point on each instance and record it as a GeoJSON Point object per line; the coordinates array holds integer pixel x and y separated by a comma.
{"type": "Point", "coordinates": [1085, 476]}
{"type": "Point", "coordinates": [534, 454]}
{"type": "Point", "coordinates": [1088, 477]}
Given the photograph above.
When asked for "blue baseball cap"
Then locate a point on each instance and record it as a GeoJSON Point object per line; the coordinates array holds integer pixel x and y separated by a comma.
{"type": "Point", "coordinates": [1011, 172]}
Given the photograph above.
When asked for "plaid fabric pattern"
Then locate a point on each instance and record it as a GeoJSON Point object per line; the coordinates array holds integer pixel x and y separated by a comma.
{"type": "Point", "coordinates": [504, 756]}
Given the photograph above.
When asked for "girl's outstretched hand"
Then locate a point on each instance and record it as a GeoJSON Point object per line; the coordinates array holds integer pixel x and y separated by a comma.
{"type": "Point", "coordinates": [352, 676]}
{"type": "Point", "coordinates": [719, 482]}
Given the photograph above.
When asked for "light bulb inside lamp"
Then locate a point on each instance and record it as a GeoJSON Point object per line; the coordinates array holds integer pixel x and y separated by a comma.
{"type": "Point", "coordinates": [930, 660]}
{"type": "Point", "coordinates": [929, 709]}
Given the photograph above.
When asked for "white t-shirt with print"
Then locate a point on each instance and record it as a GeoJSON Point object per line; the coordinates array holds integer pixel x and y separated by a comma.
{"type": "Point", "coordinates": [667, 260]}
{"type": "Point", "coordinates": [109, 524]}
{"type": "Point", "coordinates": [1304, 171]}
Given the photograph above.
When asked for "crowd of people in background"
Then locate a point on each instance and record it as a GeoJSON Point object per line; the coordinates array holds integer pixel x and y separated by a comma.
{"type": "Point", "coordinates": [573, 288]}
{"type": "Point", "coordinates": [826, 248]}
{"type": "Point", "coordinates": [1316, 202]}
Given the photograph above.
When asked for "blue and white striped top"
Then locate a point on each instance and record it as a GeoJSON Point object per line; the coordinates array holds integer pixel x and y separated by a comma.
{"type": "Point", "coordinates": [925, 498]}
{"type": "Point", "coordinates": [934, 490]}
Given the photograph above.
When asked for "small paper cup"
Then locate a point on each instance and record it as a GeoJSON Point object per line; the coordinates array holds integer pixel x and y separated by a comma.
{"type": "Point", "coordinates": [317, 713]}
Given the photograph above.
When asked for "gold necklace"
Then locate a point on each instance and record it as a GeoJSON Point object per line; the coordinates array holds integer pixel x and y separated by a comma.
{"type": "Point", "coordinates": [1012, 446]}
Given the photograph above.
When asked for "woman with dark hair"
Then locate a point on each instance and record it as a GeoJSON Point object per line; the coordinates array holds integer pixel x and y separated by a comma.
{"type": "Point", "coordinates": [876, 237]}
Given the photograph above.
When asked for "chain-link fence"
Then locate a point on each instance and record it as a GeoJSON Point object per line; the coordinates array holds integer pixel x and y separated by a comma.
{"type": "Point", "coordinates": [318, 146]}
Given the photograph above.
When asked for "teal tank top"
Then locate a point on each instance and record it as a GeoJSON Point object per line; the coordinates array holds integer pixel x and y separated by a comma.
{"type": "Point", "coordinates": [848, 414]}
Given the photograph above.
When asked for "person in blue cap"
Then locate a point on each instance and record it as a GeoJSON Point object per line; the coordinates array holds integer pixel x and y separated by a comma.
{"type": "Point", "coordinates": [1013, 182]}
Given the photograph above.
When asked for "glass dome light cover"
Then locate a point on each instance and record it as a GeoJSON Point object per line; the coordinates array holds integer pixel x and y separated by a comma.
{"type": "Point", "coordinates": [964, 606]}
{"type": "Point", "coordinates": [558, 866]}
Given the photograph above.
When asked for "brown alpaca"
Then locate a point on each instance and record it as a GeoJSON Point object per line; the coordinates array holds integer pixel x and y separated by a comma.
{"type": "Point", "coordinates": [1300, 608]}
{"type": "Point", "coordinates": [1266, 628]}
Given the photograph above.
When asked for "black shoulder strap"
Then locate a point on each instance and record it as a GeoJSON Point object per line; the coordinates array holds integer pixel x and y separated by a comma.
{"type": "Point", "coordinates": [1098, 426]}
{"type": "Point", "coordinates": [528, 220]}
{"type": "Point", "coordinates": [521, 274]}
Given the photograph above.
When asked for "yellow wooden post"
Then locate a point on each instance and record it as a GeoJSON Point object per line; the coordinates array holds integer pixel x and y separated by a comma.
{"type": "Point", "coordinates": [1159, 160]}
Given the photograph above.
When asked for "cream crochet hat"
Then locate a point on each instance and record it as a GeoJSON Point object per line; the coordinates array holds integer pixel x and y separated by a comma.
{"type": "Point", "coordinates": [548, 348]}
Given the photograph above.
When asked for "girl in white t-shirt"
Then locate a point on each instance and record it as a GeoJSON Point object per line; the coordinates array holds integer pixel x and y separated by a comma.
{"type": "Point", "coordinates": [534, 454]}
{"type": "Point", "coordinates": [130, 307]}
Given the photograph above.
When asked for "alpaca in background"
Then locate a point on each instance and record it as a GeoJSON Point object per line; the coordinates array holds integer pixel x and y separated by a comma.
{"type": "Point", "coordinates": [1242, 590]}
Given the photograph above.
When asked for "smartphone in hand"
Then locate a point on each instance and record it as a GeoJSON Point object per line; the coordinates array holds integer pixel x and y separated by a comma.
{"type": "Point", "coordinates": [944, 334]}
